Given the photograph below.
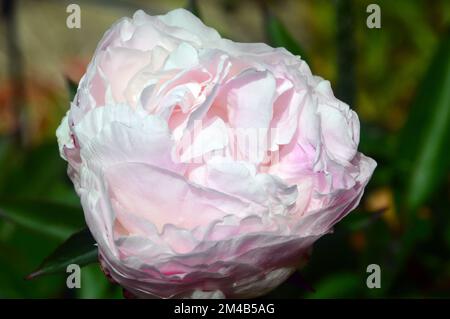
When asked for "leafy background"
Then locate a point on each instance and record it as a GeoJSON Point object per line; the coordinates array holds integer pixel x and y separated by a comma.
{"type": "Point", "coordinates": [397, 78]}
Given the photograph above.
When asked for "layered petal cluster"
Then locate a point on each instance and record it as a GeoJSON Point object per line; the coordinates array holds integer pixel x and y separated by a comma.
{"type": "Point", "coordinates": [206, 167]}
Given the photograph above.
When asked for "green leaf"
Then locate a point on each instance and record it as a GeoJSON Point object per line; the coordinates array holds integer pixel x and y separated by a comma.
{"type": "Point", "coordinates": [339, 285]}
{"type": "Point", "coordinates": [50, 218]}
{"type": "Point", "coordinates": [424, 144]}
{"type": "Point", "coordinates": [9, 155]}
{"type": "Point", "coordinates": [95, 285]}
{"type": "Point", "coordinates": [192, 6]}
{"type": "Point", "coordinates": [73, 87]}
{"type": "Point", "coordinates": [20, 251]}
{"type": "Point", "coordinates": [79, 249]}
{"type": "Point", "coordinates": [279, 36]}
{"type": "Point", "coordinates": [34, 173]}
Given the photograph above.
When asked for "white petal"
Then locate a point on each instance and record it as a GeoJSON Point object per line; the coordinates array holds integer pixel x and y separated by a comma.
{"type": "Point", "coordinates": [185, 56]}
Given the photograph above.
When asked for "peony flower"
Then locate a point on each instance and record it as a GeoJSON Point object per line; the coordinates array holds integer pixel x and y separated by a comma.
{"type": "Point", "coordinates": [206, 167]}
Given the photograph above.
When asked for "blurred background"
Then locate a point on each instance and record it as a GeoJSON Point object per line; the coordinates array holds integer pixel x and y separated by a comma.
{"type": "Point", "coordinates": [397, 78]}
